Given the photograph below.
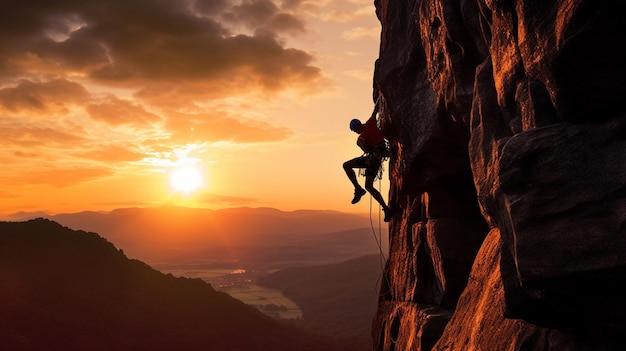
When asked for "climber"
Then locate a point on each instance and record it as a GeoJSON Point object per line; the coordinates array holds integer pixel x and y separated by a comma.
{"type": "Point", "coordinates": [372, 142]}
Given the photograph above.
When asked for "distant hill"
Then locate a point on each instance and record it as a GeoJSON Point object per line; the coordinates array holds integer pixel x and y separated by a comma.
{"type": "Point", "coordinates": [23, 216]}
{"type": "Point", "coordinates": [254, 235]}
{"type": "Point", "coordinates": [62, 289]}
{"type": "Point", "coordinates": [336, 299]}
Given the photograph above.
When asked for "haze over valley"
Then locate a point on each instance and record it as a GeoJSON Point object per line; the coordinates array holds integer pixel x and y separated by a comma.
{"type": "Point", "coordinates": [232, 238]}
{"type": "Point", "coordinates": [263, 257]}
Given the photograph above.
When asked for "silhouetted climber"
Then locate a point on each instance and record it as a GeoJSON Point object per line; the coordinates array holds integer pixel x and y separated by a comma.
{"type": "Point", "coordinates": [372, 142]}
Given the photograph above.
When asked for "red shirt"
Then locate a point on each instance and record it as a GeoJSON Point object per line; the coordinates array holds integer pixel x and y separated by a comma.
{"type": "Point", "coordinates": [370, 136]}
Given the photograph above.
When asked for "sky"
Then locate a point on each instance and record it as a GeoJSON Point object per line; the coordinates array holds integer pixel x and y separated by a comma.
{"type": "Point", "coordinates": [107, 104]}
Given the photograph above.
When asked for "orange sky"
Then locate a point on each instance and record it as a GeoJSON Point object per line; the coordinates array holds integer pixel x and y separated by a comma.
{"type": "Point", "coordinates": [102, 100]}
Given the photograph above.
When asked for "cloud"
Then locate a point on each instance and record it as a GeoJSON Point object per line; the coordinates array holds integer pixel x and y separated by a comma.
{"type": "Point", "coordinates": [212, 128]}
{"type": "Point", "coordinates": [251, 13]}
{"type": "Point", "coordinates": [286, 23]}
{"type": "Point", "coordinates": [115, 111]}
{"type": "Point", "coordinates": [112, 154]}
{"type": "Point", "coordinates": [135, 43]}
{"type": "Point", "coordinates": [52, 97]}
{"type": "Point", "coordinates": [14, 135]}
{"type": "Point", "coordinates": [264, 16]}
{"type": "Point", "coordinates": [209, 7]}
{"type": "Point", "coordinates": [168, 61]}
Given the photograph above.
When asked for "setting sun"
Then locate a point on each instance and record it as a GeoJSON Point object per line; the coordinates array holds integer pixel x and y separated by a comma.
{"type": "Point", "coordinates": [113, 124]}
{"type": "Point", "coordinates": [185, 179]}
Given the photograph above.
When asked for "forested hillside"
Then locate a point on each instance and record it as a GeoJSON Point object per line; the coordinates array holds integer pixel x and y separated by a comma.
{"type": "Point", "coordinates": [73, 290]}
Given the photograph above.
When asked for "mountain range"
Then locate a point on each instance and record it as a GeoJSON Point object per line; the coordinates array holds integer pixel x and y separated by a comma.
{"type": "Point", "coordinates": [299, 246]}
{"type": "Point", "coordinates": [64, 289]}
{"type": "Point", "coordinates": [253, 236]}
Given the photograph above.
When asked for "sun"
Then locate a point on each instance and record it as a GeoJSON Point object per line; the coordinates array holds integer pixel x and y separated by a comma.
{"type": "Point", "coordinates": [185, 179]}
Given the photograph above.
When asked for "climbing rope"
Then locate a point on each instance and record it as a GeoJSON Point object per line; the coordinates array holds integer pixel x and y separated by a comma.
{"type": "Point", "coordinates": [383, 260]}
{"type": "Point", "coordinates": [378, 239]}
{"type": "Point", "coordinates": [377, 235]}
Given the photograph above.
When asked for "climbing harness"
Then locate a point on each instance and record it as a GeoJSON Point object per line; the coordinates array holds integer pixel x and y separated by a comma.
{"type": "Point", "coordinates": [383, 154]}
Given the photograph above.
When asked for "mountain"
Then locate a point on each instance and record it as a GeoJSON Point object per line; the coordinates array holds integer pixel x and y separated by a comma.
{"type": "Point", "coordinates": [336, 299]}
{"type": "Point", "coordinates": [62, 289]}
{"type": "Point", "coordinates": [250, 235]}
{"type": "Point", "coordinates": [23, 216]}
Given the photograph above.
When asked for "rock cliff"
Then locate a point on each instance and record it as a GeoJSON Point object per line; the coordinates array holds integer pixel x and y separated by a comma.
{"type": "Point", "coordinates": [507, 126]}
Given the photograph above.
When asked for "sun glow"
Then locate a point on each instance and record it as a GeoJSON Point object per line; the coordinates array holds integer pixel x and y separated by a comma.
{"type": "Point", "coordinates": [185, 179]}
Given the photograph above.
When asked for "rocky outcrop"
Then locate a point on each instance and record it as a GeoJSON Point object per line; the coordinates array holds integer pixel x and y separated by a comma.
{"type": "Point", "coordinates": [507, 129]}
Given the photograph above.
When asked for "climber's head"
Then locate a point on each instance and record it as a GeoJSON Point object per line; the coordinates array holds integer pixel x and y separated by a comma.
{"type": "Point", "coordinates": [354, 124]}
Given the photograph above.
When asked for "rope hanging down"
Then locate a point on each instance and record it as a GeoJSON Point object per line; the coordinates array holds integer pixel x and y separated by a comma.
{"type": "Point", "coordinates": [378, 239]}
{"type": "Point", "coordinates": [378, 236]}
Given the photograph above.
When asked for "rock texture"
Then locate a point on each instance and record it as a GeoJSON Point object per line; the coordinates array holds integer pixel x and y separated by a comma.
{"type": "Point", "coordinates": [507, 125]}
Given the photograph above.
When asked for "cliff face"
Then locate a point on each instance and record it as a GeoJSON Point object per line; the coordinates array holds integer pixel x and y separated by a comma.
{"type": "Point", "coordinates": [507, 126]}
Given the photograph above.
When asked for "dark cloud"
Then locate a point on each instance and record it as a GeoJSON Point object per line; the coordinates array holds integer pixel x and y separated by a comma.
{"type": "Point", "coordinates": [258, 16]}
{"type": "Point", "coordinates": [290, 4]}
{"type": "Point", "coordinates": [210, 7]}
{"type": "Point", "coordinates": [263, 16]}
{"type": "Point", "coordinates": [252, 14]}
{"type": "Point", "coordinates": [139, 42]}
{"type": "Point", "coordinates": [64, 60]}
{"type": "Point", "coordinates": [287, 23]}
